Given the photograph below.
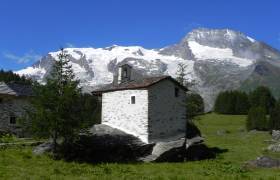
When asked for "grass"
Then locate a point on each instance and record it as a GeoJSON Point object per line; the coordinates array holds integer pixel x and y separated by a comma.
{"type": "Point", "coordinates": [241, 146]}
{"type": "Point", "coordinates": [7, 138]}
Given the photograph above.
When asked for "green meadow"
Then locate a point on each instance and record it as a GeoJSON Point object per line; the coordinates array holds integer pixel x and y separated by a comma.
{"type": "Point", "coordinates": [226, 132]}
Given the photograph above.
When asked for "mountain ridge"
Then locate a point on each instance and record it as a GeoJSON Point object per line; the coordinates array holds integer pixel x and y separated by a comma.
{"type": "Point", "coordinates": [216, 59]}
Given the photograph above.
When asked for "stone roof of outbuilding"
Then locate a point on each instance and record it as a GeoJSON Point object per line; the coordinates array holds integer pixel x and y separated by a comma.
{"type": "Point", "coordinates": [136, 84]}
{"type": "Point", "coordinates": [15, 89]}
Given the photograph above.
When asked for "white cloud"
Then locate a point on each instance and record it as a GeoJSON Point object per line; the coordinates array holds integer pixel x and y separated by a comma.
{"type": "Point", "coordinates": [26, 58]}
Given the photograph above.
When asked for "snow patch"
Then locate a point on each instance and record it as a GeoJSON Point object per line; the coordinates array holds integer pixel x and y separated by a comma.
{"type": "Point", "coordinates": [230, 34]}
{"type": "Point", "coordinates": [97, 59]}
{"type": "Point", "coordinates": [31, 70]}
{"type": "Point", "coordinates": [251, 39]}
{"type": "Point", "coordinates": [205, 53]}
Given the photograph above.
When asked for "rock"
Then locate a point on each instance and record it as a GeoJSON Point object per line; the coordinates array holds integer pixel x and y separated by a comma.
{"type": "Point", "coordinates": [270, 141]}
{"type": "Point", "coordinates": [222, 132]}
{"type": "Point", "coordinates": [264, 161]}
{"type": "Point", "coordinates": [172, 151]}
{"type": "Point", "coordinates": [242, 130]}
{"type": "Point", "coordinates": [43, 148]}
{"type": "Point", "coordinates": [276, 135]}
{"type": "Point", "coordinates": [178, 151]}
{"type": "Point", "coordinates": [274, 147]}
{"type": "Point", "coordinates": [102, 143]}
{"type": "Point", "coordinates": [253, 131]}
{"type": "Point", "coordinates": [274, 142]}
{"type": "Point", "coordinates": [194, 141]}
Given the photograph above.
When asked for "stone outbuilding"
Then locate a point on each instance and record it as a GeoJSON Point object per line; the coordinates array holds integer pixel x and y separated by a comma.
{"type": "Point", "coordinates": [14, 101]}
{"type": "Point", "coordinates": [151, 108]}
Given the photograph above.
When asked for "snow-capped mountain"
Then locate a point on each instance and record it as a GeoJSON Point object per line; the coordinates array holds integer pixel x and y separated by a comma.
{"type": "Point", "coordinates": [216, 60]}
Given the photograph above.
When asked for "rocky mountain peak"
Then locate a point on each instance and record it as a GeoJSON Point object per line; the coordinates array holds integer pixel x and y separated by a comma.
{"type": "Point", "coordinates": [216, 59]}
{"type": "Point", "coordinates": [219, 38]}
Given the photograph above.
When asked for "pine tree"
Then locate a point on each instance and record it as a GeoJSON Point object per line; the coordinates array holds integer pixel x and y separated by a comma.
{"type": "Point", "coordinates": [256, 119]}
{"type": "Point", "coordinates": [194, 102]}
{"type": "Point", "coordinates": [182, 75]}
{"type": "Point", "coordinates": [57, 104]}
{"type": "Point", "coordinates": [232, 102]}
{"type": "Point", "coordinates": [262, 96]}
{"type": "Point", "coordinates": [194, 105]}
{"type": "Point", "coordinates": [9, 76]}
{"type": "Point", "coordinates": [274, 120]}
{"type": "Point", "coordinates": [91, 110]}
{"type": "Point", "coordinates": [242, 104]}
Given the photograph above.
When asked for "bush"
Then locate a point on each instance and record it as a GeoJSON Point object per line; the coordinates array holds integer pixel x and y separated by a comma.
{"type": "Point", "coordinates": [256, 119]}
{"type": "Point", "coordinates": [274, 120]}
{"type": "Point", "coordinates": [232, 102]}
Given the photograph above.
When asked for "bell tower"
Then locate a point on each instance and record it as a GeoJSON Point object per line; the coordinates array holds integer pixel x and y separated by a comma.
{"type": "Point", "coordinates": [124, 73]}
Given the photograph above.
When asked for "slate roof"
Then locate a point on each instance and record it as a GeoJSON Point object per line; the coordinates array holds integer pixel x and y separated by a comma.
{"type": "Point", "coordinates": [136, 84]}
{"type": "Point", "coordinates": [15, 89]}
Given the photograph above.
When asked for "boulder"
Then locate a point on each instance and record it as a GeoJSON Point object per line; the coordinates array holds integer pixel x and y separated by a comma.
{"type": "Point", "coordinates": [171, 151]}
{"type": "Point", "coordinates": [274, 147]}
{"type": "Point", "coordinates": [276, 135]}
{"type": "Point", "coordinates": [222, 132]}
{"type": "Point", "coordinates": [179, 150]}
{"type": "Point", "coordinates": [103, 143]}
{"type": "Point", "coordinates": [43, 148]}
{"type": "Point", "coordinates": [264, 161]}
{"type": "Point", "coordinates": [194, 141]}
{"type": "Point", "coordinates": [254, 131]}
{"type": "Point", "coordinates": [274, 142]}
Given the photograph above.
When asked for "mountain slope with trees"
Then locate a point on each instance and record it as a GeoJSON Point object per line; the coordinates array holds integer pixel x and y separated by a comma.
{"type": "Point", "coordinates": [10, 76]}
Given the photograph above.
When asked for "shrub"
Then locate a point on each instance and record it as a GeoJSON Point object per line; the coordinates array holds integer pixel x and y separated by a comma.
{"type": "Point", "coordinates": [256, 119]}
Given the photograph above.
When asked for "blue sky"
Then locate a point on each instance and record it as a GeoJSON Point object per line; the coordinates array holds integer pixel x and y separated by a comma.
{"type": "Point", "coordinates": [32, 28]}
